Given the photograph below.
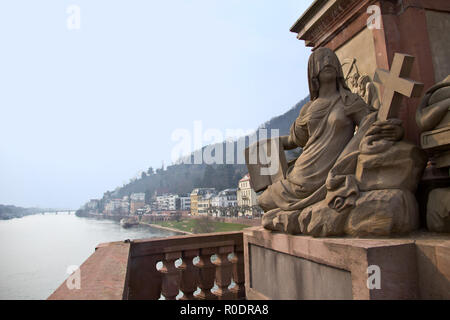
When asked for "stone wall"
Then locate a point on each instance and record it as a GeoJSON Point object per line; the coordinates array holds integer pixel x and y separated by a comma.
{"type": "Point", "coordinates": [438, 24]}
{"type": "Point", "coordinates": [281, 266]}
{"type": "Point", "coordinates": [362, 48]}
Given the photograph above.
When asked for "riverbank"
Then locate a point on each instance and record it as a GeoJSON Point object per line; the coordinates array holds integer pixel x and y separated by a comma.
{"type": "Point", "coordinates": [189, 225]}
{"type": "Point", "coordinates": [164, 228]}
{"type": "Point", "coordinates": [195, 226]}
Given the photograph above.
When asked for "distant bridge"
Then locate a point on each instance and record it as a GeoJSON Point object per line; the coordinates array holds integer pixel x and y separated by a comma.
{"type": "Point", "coordinates": [58, 211]}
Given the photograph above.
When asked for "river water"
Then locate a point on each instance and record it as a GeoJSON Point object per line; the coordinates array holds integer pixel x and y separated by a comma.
{"type": "Point", "coordinates": [36, 251]}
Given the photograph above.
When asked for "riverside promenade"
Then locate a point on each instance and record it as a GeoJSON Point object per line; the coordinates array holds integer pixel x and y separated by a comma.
{"type": "Point", "coordinates": [190, 225]}
{"type": "Point", "coordinates": [164, 228]}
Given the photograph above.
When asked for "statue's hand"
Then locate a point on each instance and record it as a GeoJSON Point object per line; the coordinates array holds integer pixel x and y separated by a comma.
{"type": "Point", "coordinates": [381, 136]}
{"type": "Point", "coordinates": [390, 130]}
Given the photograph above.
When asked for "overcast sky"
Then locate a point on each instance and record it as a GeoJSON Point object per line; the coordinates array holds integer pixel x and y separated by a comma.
{"type": "Point", "coordinates": [83, 111]}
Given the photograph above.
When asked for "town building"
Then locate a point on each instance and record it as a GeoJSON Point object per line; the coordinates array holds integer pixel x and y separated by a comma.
{"type": "Point", "coordinates": [223, 200]}
{"type": "Point", "coordinates": [137, 201]}
{"type": "Point", "coordinates": [125, 206]}
{"type": "Point", "coordinates": [185, 202]}
{"type": "Point", "coordinates": [168, 202]}
{"type": "Point", "coordinates": [113, 207]}
{"type": "Point", "coordinates": [93, 205]}
{"type": "Point", "coordinates": [205, 204]}
{"type": "Point", "coordinates": [196, 196]}
{"type": "Point", "coordinates": [246, 196]}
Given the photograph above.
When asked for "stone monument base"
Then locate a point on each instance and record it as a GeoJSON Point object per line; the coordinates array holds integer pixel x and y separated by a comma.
{"type": "Point", "coordinates": [281, 266]}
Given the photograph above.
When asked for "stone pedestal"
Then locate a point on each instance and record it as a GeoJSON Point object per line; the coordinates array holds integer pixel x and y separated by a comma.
{"type": "Point", "coordinates": [281, 266]}
{"type": "Point", "coordinates": [437, 142]}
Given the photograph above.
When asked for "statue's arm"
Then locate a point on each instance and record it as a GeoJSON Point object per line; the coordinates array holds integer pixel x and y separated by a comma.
{"type": "Point", "coordinates": [428, 117]}
{"type": "Point", "coordinates": [288, 143]}
{"type": "Point", "coordinates": [298, 135]}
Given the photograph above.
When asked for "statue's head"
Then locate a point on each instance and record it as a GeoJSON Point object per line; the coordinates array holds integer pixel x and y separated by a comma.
{"type": "Point", "coordinates": [354, 79]}
{"type": "Point", "coordinates": [323, 66]}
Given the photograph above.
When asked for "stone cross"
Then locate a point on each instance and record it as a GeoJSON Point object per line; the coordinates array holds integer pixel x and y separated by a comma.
{"type": "Point", "coordinates": [396, 85]}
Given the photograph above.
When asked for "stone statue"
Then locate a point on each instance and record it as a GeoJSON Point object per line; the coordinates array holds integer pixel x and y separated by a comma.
{"type": "Point", "coordinates": [353, 82]}
{"type": "Point", "coordinates": [433, 112]}
{"type": "Point", "coordinates": [361, 84]}
{"type": "Point", "coordinates": [433, 118]}
{"type": "Point", "coordinates": [343, 182]}
{"type": "Point", "coordinates": [351, 74]}
{"type": "Point", "coordinates": [368, 92]}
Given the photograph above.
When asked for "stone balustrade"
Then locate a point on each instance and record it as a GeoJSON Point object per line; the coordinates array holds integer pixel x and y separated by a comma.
{"type": "Point", "coordinates": [203, 262]}
{"type": "Point", "coordinates": [203, 267]}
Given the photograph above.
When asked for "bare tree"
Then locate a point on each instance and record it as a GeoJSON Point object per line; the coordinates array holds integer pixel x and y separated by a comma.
{"type": "Point", "coordinates": [256, 211]}
{"type": "Point", "coordinates": [204, 225]}
{"type": "Point", "coordinates": [177, 217]}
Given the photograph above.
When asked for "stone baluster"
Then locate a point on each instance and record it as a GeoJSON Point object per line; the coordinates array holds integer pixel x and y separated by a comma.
{"type": "Point", "coordinates": [189, 275]}
{"type": "Point", "coordinates": [223, 273]}
{"type": "Point", "coordinates": [207, 274]}
{"type": "Point", "coordinates": [238, 272]}
{"type": "Point", "coordinates": [171, 276]}
{"type": "Point", "coordinates": [145, 280]}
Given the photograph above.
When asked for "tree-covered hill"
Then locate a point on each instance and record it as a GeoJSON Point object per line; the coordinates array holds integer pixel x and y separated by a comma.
{"type": "Point", "coordinates": [182, 178]}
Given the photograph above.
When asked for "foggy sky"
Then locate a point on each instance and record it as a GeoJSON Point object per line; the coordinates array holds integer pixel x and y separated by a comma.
{"type": "Point", "coordinates": [83, 111]}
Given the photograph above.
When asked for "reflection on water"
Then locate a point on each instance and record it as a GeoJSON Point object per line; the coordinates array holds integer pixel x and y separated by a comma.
{"type": "Point", "coordinates": [36, 250]}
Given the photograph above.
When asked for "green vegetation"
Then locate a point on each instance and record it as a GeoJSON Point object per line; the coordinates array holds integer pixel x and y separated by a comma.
{"type": "Point", "coordinates": [182, 179]}
{"type": "Point", "coordinates": [201, 225]}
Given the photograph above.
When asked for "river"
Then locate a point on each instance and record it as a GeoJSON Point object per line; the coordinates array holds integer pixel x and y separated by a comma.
{"type": "Point", "coordinates": [37, 250]}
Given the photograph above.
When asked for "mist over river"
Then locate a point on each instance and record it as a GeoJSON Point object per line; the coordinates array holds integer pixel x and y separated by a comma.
{"type": "Point", "coordinates": [35, 251]}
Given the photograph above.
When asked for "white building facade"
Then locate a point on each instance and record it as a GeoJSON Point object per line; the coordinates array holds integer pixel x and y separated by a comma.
{"type": "Point", "coordinates": [226, 198]}
{"type": "Point", "coordinates": [246, 196]}
{"type": "Point", "coordinates": [168, 202]}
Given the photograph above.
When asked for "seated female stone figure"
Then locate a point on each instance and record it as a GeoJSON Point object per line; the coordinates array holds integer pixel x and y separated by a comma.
{"type": "Point", "coordinates": [325, 129]}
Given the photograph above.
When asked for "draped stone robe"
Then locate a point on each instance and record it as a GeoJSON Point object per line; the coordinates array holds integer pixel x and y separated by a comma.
{"type": "Point", "coordinates": [324, 131]}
